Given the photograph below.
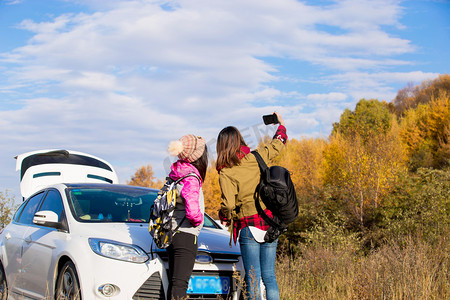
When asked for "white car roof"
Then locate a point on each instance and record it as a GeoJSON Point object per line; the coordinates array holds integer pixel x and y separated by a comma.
{"type": "Point", "coordinates": [42, 168]}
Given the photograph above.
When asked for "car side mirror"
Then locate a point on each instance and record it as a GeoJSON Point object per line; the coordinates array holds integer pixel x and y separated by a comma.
{"type": "Point", "coordinates": [47, 218]}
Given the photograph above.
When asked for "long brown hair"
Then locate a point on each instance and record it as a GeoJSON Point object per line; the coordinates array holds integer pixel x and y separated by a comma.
{"type": "Point", "coordinates": [229, 144]}
{"type": "Point", "coordinates": [202, 164]}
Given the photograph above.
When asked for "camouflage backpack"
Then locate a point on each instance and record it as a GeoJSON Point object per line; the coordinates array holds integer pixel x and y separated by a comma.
{"type": "Point", "coordinates": [161, 212]}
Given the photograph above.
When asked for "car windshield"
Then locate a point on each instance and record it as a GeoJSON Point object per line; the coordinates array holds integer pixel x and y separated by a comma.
{"type": "Point", "coordinates": [111, 204]}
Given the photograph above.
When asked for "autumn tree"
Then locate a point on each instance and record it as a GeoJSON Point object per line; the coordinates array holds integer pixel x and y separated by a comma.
{"type": "Point", "coordinates": [211, 191]}
{"type": "Point", "coordinates": [303, 159]}
{"type": "Point", "coordinates": [7, 208]}
{"type": "Point", "coordinates": [361, 174]}
{"type": "Point", "coordinates": [411, 96]}
{"type": "Point", "coordinates": [404, 99]}
{"type": "Point", "coordinates": [363, 158]}
{"type": "Point", "coordinates": [369, 117]}
{"type": "Point", "coordinates": [425, 132]}
{"type": "Point", "coordinates": [144, 176]}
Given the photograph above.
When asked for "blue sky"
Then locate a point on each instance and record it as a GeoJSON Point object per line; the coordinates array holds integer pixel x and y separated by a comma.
{"type": "Point", "coordinates": [121, 79]}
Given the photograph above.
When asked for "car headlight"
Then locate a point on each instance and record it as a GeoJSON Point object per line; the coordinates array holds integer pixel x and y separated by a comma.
{"type": "Point", "coordinates": [119, 251]}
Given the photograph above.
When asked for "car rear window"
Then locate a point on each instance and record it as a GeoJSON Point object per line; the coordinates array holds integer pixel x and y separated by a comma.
{"type": "Point", "coordinates": [111, 204]}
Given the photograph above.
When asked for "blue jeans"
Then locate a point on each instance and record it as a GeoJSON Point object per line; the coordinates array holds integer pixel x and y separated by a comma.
{"type": "Point", "coordinates": [259, 261]}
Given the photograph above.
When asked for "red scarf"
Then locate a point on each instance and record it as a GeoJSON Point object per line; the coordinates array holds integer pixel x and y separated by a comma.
{"type": "Point", "coordinates": [244, 151]}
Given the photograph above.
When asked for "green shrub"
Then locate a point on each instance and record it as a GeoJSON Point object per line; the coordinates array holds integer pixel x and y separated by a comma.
{"type": "Point", "coordinates": [419, 206]}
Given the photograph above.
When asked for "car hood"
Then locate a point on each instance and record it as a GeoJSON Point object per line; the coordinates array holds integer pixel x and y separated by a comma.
{"type": "Point", "coordinates": [209, 240]}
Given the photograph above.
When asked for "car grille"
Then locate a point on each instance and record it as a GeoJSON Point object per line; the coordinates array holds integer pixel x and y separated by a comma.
{"type": "Point", "coordinates": [152, 289]}
{"type": "Point", "coordinates": [217, 257]}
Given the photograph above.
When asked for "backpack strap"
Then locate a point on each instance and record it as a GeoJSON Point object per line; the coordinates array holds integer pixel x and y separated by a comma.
{"type": "Point", "coordinates": [266, 218]}
{"type": "Point", "coordinates": [188, 175]}
{"type": "Point", "coordinates": [263, 167]}
{"type": "Point", "coordinates": [260, 160]}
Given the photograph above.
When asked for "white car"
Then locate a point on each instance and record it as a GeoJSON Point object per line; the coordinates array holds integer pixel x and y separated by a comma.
{"type": "Point", "coordinates": [91, 241]}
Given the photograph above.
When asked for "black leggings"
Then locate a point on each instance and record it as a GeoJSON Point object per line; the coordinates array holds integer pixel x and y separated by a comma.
{"type": "Point", "coordinates": [182, 253]}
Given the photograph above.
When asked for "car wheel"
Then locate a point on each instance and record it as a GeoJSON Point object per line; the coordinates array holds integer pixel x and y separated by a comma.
{"type": "Point", "coordinates": [3, 285]}
{"type": "Point", "coordinates": [68, 285]}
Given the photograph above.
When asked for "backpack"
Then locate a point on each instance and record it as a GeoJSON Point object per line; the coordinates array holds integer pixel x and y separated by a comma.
{"type": "Point", "coordinates": [161, 212]}
{"type": "Point", "coordinates": [277, 192]}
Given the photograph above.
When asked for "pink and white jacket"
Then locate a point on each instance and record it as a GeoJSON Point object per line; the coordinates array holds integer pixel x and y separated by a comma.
{"type": "Point", "coordinates": [191, 203]}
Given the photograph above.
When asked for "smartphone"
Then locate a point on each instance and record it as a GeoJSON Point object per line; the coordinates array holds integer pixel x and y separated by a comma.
{"type": "Point", "coordinates": [270, 119]}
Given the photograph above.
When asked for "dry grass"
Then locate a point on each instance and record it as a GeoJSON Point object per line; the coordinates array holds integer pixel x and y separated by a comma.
{"type": "Point", "coordinates": [414, 271]}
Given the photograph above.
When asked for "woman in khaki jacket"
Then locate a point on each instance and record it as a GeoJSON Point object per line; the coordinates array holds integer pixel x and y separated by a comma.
{"type": "Point", "coordinates": [239, 175]}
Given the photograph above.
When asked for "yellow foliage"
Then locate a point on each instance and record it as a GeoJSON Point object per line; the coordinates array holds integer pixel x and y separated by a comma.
{"type": "Point", "coordinates": [303, 158]}
{"type": "Point", "coordinates": [363, 171]}
{"type": "Point", "coordinates": [211, 191]}
{"type": "Point", "coordinates": [439, 116]}
{"type": "Point", "coordinates": [411, 134]}
{"type": "Point", "coordinates": [412, 96]}
{"type": "Point", "coordinates": [426, 128]}
{"type": "Point", "coordinates": [144, 176]}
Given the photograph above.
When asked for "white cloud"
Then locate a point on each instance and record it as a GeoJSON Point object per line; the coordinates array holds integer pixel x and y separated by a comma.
{"type": "Point", "coordinates": [363, 15]}
{"type": "Point", "coordinates": [12, 2]}
{"type": "Point", "coordinates": [330, 97]}
{"type": "Point", "coordinates": [376, 85]}
{"type": "Point", "coordinates": [123, 81]}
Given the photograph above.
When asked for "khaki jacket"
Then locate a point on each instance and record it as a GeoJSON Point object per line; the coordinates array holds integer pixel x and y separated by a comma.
{"type": "Point", "coordinates": [238, 183]}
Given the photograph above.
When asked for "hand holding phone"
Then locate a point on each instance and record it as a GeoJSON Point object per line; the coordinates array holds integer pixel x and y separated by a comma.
{"type": "Point", "coordinates": [270, 119]}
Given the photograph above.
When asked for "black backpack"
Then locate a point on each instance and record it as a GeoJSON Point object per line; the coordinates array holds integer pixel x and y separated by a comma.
{"type": "Point", "coordinates": [277, 192]}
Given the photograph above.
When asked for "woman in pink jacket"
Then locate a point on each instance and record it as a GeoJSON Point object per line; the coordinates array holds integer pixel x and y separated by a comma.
{"type": "Point", "coordinates": [189, 210]}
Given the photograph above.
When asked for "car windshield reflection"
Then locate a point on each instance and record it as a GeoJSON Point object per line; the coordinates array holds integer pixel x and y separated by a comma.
{"type": "Point", "coordinates": [115, 204]}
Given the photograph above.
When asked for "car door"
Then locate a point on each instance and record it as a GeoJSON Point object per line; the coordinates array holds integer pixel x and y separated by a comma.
{"type": "Point", "coordinates": [12, 248]}
{"type": "Point", "coordinates": [40, 250]}
{"type": "Point", "coordinates": [14, 240]}
{"type": "Point", "coordinates": [12, 251]}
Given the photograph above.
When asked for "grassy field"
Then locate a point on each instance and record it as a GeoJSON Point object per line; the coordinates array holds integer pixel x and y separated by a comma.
{"type": "Point", "coordinates": [415, 270]}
